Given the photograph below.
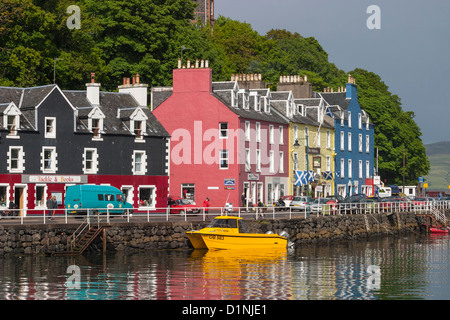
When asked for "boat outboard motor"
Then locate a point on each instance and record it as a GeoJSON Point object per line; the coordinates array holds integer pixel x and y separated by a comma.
{"type": "Point", "coordinates": [284, 234]}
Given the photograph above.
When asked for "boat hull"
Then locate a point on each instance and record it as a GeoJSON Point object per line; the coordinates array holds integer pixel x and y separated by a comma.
{"type": "Point", "coordinates": [224, 241]}
{"type": "Point", "coordinates": [438, 230]}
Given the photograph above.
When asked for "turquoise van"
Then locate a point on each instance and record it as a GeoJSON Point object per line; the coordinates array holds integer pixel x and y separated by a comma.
{"type": "Point", "coordinates": [98, 199]}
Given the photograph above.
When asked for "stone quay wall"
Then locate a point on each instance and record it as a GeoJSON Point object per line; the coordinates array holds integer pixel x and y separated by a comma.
{"type": "Point", "coordinates": [132, 237]}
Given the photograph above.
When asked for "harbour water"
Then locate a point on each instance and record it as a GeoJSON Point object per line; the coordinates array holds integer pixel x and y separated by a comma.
{"type": "Point", "coordinates": [404, 267]}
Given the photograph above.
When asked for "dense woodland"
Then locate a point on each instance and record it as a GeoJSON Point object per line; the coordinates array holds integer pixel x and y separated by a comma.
{"type": "Point", "coordinates": [119, 38]}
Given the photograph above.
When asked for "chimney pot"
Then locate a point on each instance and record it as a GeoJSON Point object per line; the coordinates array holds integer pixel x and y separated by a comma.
{"type": "Point", "coordinates": [206, 64]}
{"type": "Point", "coordinates": [196, 63]}
{"type": "Point", "coordinates": [92, 77]}
{"type": "Point", "coordinates": [137, 78]}
{"type": "Point", "coordinates": [188, 64]}
{"type": "Point", "coordinates": [179, 63]}
{"type": "Point", "coordinates": [133, 80]}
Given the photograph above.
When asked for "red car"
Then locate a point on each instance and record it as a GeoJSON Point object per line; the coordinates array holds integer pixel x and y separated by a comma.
{"type": "Point", "coordinates": [179, 205]}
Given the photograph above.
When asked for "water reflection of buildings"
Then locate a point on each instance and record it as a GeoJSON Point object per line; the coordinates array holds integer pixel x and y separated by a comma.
{"type": "Point", "coordinates": [309, 273]}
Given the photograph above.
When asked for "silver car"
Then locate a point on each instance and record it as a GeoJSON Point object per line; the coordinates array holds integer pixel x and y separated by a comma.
{"type": "Point", "coordinates": [300, 203]}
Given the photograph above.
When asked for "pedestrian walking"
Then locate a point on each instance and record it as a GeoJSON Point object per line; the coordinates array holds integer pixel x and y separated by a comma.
{"type": "Point", "coordinates": [55, 206]}
{"type": "Point", "coordinates": [206, 205]}
{"type": "Point", "coordinates": [50, 207]}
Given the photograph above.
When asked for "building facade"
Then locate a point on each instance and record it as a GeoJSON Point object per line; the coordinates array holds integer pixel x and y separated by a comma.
{"type": "Point", "coordinates": [311, 137]}
{"type": "Point", "coordinates": [354, 141]}
{"type": "Point", "coordinates": [52, 139]}
{"type": "Point", "coordinates": [225, 141]}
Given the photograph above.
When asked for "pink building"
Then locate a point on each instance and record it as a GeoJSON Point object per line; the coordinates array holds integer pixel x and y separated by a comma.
{"type": "Point", "coordinates": [225, 141]}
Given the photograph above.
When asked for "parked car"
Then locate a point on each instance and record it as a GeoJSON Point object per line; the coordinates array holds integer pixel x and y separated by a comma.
{"type": "Point", "coordinates": [179, 205]}
{"type": "Point", "coordinates": [353, 202]}
{"type": "Point", "coordinates": [336, 198]}
{"type": "Point", "coordinates": [421, 202]}
{"type": "Point", "coordinates": [300, 203]}
{"type": "Point", "coordinates": [316, 205]}
{"type": "Point", "coordinates": [283, 203]}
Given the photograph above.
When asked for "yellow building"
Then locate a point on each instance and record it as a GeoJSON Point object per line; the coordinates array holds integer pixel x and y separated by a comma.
{"type": "Point", "coordinates": [311, 131]}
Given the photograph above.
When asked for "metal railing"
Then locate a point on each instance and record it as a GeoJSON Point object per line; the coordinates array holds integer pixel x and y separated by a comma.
{"type": "Point", "coordinates": [40, 216]}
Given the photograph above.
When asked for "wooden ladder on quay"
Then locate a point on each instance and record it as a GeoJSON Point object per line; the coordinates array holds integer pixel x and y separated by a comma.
{"type": "Point", "coordinates": [83, 237]}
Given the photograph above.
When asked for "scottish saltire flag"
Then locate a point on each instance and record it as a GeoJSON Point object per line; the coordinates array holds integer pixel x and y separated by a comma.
{"type": "Point", "coordinates": [327, 175]}
{"type": "Point", "coordinates": [302, 176]}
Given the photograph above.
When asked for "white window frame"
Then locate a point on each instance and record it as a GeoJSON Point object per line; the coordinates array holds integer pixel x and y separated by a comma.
{"type": "Point", "coordinates": [20, 160]}
{"type": "Point", "coordinates": [349, 119]}
{"type": "Point", "coordinates": [258, 132]}
{"type": "Point", "coordinates": [223, 132]}
{"type": "Point", "coordinates": [50, 134]}
{"type": "Point", "coordinates": [281, 134]}
{"type": "Point", "coordinates": [342, 168]}
{"type": "Point", "coordinates": [281, 162]}
{"type": "Point", "coordinates": [6, 195]}
{"type": "Point", "coordinates": [226, 165]}
{"type": "Point", "coordinates": [271, 134]}
{"type": "Point", "coordinates": [94, 160]}
{"type": "Point", "coordinates": [258, 160]}
{"type": "Point", "coordinates": [349, 141]}
{"type": "Point", "coordinates": [247, 130]}
{"type": "Point", "coordinates": [272, 161]}
{"type": "Point", "coordinates": [43, 204]}
{"type": "Point", "coordinates": [342, 140]}
{"type": "Point", "coordinates": [153, 197]}
{"type": "Point", "coordinates": [53, 161]}
{"type": "Point", "coordinates": [328, 139]}
{"type": "Point", "coordinates": [360, 143]}
{"type": "Point", "coordinates": [328, 163]}
{"type": "Point", "coordinates": [360, 167]}
{"type": "Point", "coordinates": [367, 169]}
{"type": "Point", "coordinates": [367, 144]}
{"type": "Point", "coordinates": [350, 169]}
{"type": "Point", "coordinates": [247, 160]}
{"type": "Point", "coordinates": [359, 121]}
{"type": "Point", "coordinates": [143, 169]}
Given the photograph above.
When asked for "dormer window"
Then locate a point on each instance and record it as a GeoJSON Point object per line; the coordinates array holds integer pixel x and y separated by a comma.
{"type": "Point", "coordinates": [234, 98]}
{"type": "Point", "coordinates": [95, 123]}
{"type": "Point", "coordinates": [138, 129]}
{"type": "Point", "coordinates": [11, 120]}
{"type": "Point", "coordinates": [245, 100]}
{"type": "Point", "coordinates": [257, 103]}
{"type": "Point", "coordinates": [138, 124]}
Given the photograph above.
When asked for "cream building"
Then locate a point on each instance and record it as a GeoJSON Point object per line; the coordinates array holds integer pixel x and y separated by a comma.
{"type": "Point", "coordinates": [311, 131]}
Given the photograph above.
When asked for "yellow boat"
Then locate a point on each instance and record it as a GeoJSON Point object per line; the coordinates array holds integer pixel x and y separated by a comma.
{"type": "Point", "coordinates": [227, 232]}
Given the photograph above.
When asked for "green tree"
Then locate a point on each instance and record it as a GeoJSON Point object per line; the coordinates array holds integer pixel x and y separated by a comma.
{"type": "Point", "coordinates": [395, 130]}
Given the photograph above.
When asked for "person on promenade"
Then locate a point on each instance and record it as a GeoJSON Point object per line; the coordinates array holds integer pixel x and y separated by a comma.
{"type": "Point", "coordinates": [50, 206]}
{"type": "Point", "coordinates": [55, 206]}
{"type": "Point", "coordinates": [206, 205]}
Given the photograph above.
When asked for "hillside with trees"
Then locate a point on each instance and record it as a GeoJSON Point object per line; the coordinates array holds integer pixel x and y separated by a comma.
{"type": "Point", "coordinates": [119, 38]}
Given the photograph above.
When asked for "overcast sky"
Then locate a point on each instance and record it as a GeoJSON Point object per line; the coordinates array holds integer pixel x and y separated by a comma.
{"type": "Point", "coordinates": [410, 52]}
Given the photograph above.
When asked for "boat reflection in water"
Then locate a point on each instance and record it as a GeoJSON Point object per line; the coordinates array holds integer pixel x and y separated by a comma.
{"type": "Point", "coordinates": [228, 232]}
{"type": "Point", "coordinates": [242, 274]}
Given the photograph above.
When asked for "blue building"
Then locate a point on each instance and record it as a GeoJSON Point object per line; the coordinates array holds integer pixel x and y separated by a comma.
{"type": "Point", "coordinates": [354, 141]}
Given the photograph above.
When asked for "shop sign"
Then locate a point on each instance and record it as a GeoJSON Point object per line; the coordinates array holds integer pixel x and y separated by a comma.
{"type": "Point", "coordinates": [27, 178]}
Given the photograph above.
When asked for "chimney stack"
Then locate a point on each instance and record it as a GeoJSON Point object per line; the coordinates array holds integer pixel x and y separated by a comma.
{"type": "Point", "coordinates": [136, 89]}
{"type": "Point", "coordinates": [93, 91]}
{"type": "Point", "coordinates": [297, 84]}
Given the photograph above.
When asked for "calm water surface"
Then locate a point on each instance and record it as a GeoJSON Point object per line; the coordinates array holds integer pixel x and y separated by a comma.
{"type": "Point", "coordinates": [413, 267]}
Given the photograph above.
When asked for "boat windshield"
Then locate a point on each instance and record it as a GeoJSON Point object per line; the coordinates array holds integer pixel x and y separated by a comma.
{"type": "Point", "coordinates": [223, 223]}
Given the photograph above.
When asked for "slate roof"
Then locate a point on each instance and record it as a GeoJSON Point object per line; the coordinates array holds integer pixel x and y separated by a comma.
{"type": "Point", "coordinates": [117, 108]}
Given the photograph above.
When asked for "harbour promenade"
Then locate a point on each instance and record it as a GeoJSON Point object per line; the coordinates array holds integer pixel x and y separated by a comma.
{"type": "Point", "coordinates": [34, 233]}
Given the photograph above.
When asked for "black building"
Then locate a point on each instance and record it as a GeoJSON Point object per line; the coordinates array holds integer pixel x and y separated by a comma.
{"type": "Point", "coordinates": [50, 138]}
